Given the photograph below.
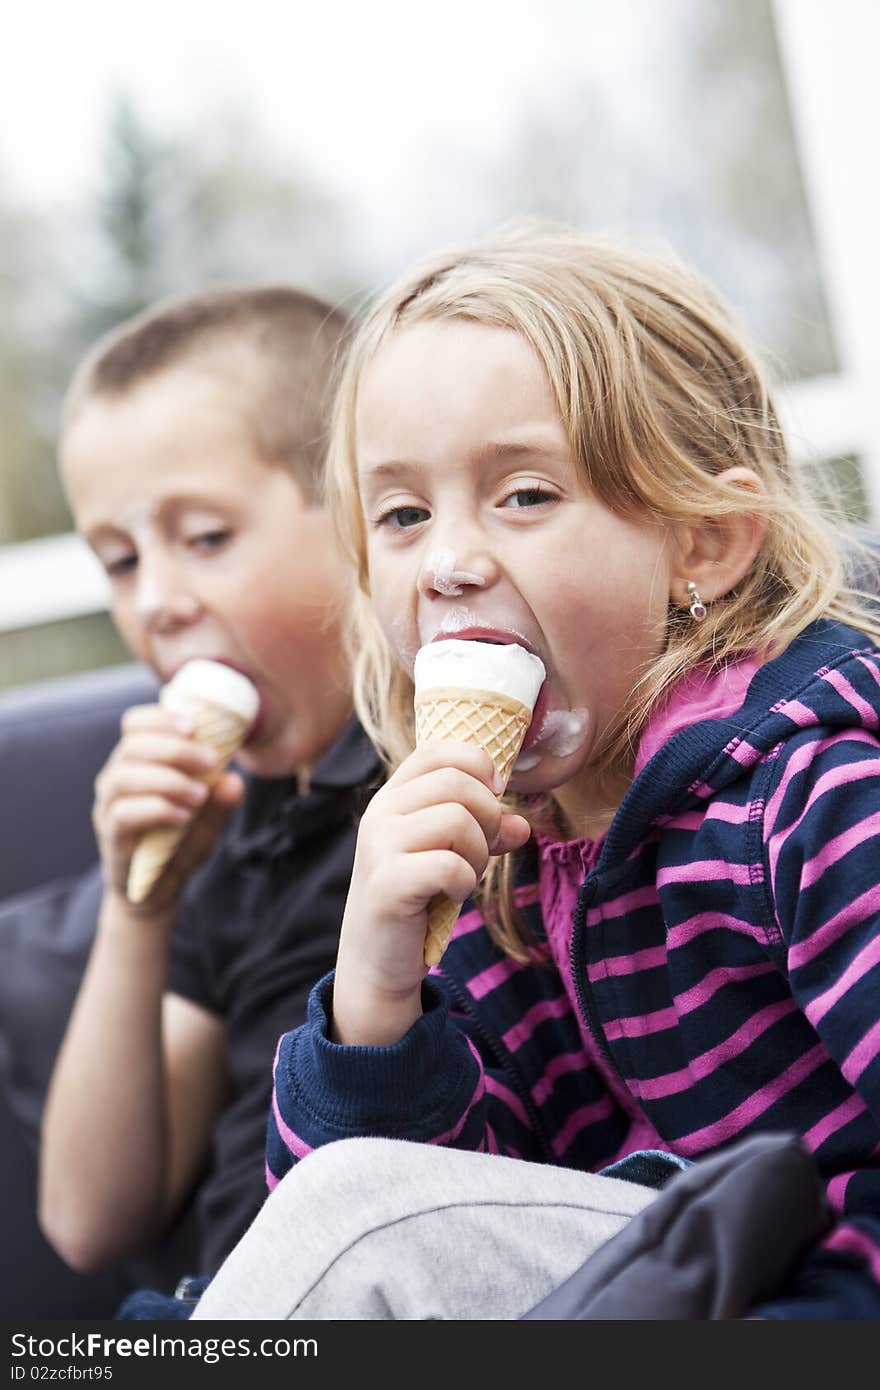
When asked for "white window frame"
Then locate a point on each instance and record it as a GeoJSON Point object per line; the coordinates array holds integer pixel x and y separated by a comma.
{"type": "Point", "coordinates": [48, 581]}
{"type": "Point", "coordinates": [829, 59]}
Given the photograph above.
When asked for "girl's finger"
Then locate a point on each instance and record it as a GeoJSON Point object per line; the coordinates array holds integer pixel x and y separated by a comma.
{"type": "Point", "coordinates": [430, 757]}
{"type": "Point", "coordinates": [514, 832]}
{"type": "Point", "coordinates": [435, 871]}
{"type": "Point", "coordinates": [450, 827]}
{"type": "Point", "coordinates": [448, 785]}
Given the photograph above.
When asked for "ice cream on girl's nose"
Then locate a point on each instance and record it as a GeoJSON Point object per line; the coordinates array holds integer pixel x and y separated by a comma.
{"type": "Point", "coordinates": [447, 580]}
{"type": "Point", "coordinates": [473, 692]}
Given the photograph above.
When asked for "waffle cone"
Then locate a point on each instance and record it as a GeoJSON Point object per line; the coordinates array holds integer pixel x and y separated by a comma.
{"type": "Point", "coordinates": [495, 723]}
{"type": "Point", "coordinates": [224, 731]}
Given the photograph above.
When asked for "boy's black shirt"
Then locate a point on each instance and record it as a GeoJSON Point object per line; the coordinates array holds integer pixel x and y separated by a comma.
{"type": "Point", "coordinates": [258, 926]}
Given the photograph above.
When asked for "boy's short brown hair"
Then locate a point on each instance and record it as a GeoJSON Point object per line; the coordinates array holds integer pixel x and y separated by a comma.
{"type": "Point", "coordinates": [278, 344]}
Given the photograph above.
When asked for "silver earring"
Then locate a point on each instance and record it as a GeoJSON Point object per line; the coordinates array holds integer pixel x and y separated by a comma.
{"type": "Point", "coordinates": [698, 608]}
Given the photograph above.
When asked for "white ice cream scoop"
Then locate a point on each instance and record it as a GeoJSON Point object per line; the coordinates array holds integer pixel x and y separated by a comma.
{"type": "Point", "coordinates": [222, 705]}
{"type": "Point", "coordinates": [473, 692]}
{"type": "Point", "coordinates": [507, 669]}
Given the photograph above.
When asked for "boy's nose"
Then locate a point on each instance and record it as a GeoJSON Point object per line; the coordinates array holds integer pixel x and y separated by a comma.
{"type": "Point", "coordinates": [163, 602]}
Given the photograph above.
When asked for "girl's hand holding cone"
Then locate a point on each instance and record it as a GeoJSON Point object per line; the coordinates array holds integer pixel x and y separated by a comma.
{"type": "Point", "coordinates": [481, 693]}
{"type": "Point", "coordinates": [426, 837]}
{"type": "Point", "coordinates": [429, 830]}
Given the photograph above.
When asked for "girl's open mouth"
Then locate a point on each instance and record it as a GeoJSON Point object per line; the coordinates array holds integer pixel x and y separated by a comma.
{"type": "Point", "coordinates": [500, 637]}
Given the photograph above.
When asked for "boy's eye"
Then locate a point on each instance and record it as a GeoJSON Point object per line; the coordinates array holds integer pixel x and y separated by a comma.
{"type": "Point", "coordinates": [399, 518]}
{"type": "Point", "coordinates": [209, 540]}
{"type": "Point", "coordinates": [528, 497]}
{"type": "Point", "coordinates": [121, 564]}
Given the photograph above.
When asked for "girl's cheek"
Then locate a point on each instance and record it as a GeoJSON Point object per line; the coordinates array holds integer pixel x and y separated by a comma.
{"type": "Point", "coordinates": [393, 597]}
{"type": "Point", "coordinates": [400, 638]}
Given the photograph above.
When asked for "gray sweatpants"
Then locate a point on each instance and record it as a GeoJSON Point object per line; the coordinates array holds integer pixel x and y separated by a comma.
{"type": "Point", "coordinates": [382, 1228]}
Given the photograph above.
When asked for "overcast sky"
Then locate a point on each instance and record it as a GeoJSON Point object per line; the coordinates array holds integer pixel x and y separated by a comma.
{"type": "Point", "coordinates": [353, 87]}
{"type": "Point", "coordinates": [398, 106]}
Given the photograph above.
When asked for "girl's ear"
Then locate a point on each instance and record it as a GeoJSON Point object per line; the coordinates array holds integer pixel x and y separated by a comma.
{"type": "Point", "coordinates": [716, 555]}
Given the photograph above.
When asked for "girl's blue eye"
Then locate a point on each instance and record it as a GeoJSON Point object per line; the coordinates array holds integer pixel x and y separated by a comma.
{"type": "Point", "coordinates": [528, 497]}
{"type": "Point", "coordinates": [399, 518]}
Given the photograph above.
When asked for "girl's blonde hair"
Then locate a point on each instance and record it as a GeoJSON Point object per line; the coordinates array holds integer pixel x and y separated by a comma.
{"type": "Point", "coordinates": [659, 396]}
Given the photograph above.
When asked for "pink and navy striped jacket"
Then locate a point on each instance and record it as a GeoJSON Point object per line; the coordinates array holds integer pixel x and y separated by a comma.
{"type": "Point", "coordinates": [719, 975]}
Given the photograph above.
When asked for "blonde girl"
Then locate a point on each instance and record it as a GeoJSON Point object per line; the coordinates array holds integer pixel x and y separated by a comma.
{"type": "Point", "coordinates": [548, 439]}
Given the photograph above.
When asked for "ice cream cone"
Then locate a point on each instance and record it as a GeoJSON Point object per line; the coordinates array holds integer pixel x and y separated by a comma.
{"type": "Point", "coordinates": [221, 704]}
{"type": "Point", "coordinates": [496, 720]}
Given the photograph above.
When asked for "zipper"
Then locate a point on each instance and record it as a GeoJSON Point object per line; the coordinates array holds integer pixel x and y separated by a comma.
{"type": "Point", "coordinates": [582, 987]}
{"type": "Point", "coordinates": [465, 1003]}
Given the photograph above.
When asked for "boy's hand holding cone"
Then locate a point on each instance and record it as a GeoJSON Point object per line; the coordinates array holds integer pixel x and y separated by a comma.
{"type": "Point", "coordinates": [473, 692]}
{"type": "Point", "coordinates": [221, 704]}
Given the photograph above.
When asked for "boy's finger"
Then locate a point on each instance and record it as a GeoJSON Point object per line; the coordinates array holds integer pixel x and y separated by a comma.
{"type": "Point", "coordinates": [228, 790]}
{"type": "Point", "coordinates": [154, 746]}
{"type": "Point", "coordinates": [130, 816]}
{"type": "Point", "coordinates": [141, 779]}
{"type": "Point", "coordinates": [197, 837]}
{"type": "Point", "coordinates": [203, 832]}
{"type": "Point", "coordinates": [140, 717]}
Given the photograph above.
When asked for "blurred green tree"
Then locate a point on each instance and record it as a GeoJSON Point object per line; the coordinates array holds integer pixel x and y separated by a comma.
{"type": "Point", "coordinates": [169, 216]}
{"type": "Point", "coordinates": [31, 367]}
{"type": "Point", "coordinates": [127, 228]}
{"type": "Point", "coordinates": [209, 207]}
{"type": "Point", "coordinates": [698, 153]}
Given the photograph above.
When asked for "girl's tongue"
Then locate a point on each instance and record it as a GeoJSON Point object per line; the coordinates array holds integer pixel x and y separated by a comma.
{"type": "Point", "coordinates": [539, 714]}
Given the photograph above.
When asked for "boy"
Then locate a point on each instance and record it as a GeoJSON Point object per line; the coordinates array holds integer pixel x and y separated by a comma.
{"type": "Point", "coordinates": [191, 453]}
